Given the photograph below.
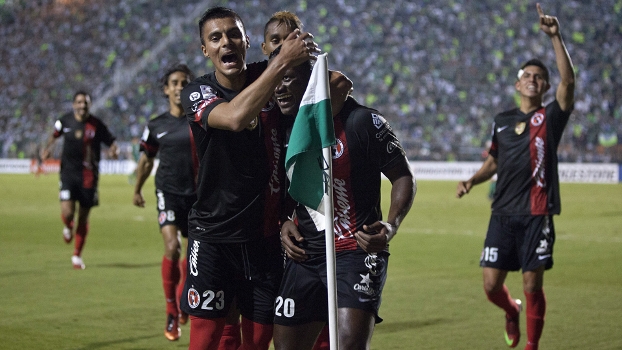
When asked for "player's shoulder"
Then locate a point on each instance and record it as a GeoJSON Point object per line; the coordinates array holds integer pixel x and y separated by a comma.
{"type": "Point", "coordinates": [360, 114]}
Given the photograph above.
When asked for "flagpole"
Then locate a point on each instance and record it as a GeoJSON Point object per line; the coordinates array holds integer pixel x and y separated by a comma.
{"type": "Point", "coordinates": [331, 274]}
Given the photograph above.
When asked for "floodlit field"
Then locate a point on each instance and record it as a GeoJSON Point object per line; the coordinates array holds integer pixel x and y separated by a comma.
{"type": "Point", "coordinates": [433, 298]}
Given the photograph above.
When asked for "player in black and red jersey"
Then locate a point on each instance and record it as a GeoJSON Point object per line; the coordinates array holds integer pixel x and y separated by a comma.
{"type": "Point", "coordinates": [79, 170]}
{"type": "Point", "coordinates": [366, 148]}
{"type": "Point", "coordinates": [523, 154]}
{"type": "Point", "coordinates": [238, 139]}
{"type": "Point", "coordinates": [169, 136]}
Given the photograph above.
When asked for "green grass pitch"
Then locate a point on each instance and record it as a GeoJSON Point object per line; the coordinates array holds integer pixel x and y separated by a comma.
{"type": "Point", "coordinates": [433, 298]}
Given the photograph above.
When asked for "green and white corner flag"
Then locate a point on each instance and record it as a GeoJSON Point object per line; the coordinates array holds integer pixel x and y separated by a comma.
{"type": "Point", "coordinates": [313, 130]}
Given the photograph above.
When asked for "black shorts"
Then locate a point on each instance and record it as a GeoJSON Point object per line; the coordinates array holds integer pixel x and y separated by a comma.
{"type": "Point", "coordinates": [303, 296]}
{"type": "Point", "coordinates": [218, 272]}
{"type": "Point", "coordinates": [173, 210]}
{"type": "Point", "coordinates": [71, 189]}
{"type": "Point", "coordinates": [519, 242]}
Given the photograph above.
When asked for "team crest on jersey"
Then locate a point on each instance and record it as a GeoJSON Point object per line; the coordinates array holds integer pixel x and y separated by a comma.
{"type": "Point", "coordinates": [195, 96]}
{"type": "Point", "coordinates": [162, 217]}
{"type": "Point", "coordinates": [253, 124]}
{"type": "Point", "coordinates": [194, 298]}
{"type": "Point", "coordinates": [378, 120]}
{"type": "Point", "coordinates": [78, 134]}
{"type": "Point", "coordinates": [537, 119]}
{"type": "Point", "coordinates": [338, 149]}
{"type": "Point", "coordinates": [520, 127]}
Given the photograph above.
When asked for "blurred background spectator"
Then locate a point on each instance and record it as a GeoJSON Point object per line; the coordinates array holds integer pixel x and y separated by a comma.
{"type": "Point", "coordinates": [439, 70]}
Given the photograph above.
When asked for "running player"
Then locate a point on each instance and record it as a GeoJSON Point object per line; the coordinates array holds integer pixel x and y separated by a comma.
{"type": "Point", "coordinates": [79, 170]}
{"type": "Point", "coordinates": [169, 136]}
{"type": "Point", "coordinates": [523, 154]}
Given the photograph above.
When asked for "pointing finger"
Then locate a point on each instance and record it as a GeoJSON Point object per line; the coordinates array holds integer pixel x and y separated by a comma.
{"type": "Point", "coordinates": [540, 12]}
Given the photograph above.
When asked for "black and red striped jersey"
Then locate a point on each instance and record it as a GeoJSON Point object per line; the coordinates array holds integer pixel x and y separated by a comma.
{"type": "Point", "coordinates": [525, 146]}
{"type": "Point", "coordinates": [240, 180]}
{"type": "Point", "coordinates": [170, 138]}
{"type": "Point", "coordinates": [82, 147]}
{"type": "Point", "coordinates": [366, 146]}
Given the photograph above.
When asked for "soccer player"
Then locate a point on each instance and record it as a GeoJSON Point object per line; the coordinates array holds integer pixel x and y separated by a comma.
{"type": "Point", "coordinates": [276, 30]}
{"type": "Point", "coordinates": [237, 135]}
{"type": "Point", "coordinates": [169, 136]}
{"type": "Point", "coordinates": [79, 170]}
{"type": "Point", "coordinates": [366, 148]}
{"type": "Point", "coordinates": [523, 155]}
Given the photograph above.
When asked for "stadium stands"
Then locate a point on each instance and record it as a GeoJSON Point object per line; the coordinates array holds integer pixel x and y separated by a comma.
{"type": "Point", "coordinates": [439, 70]}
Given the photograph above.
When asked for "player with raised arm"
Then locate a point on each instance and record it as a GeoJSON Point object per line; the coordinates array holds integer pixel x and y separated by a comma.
{"type": "Point", "coordinates": [523, 154]}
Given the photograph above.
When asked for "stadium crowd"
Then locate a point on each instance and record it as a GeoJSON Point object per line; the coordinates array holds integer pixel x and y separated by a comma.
{"type": "Point", "coordinates": [438, 69]}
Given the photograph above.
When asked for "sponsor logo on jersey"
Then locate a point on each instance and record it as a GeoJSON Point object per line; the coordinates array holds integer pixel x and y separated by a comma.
{"type": "Point", "coordinates": [337, 149]}
{"type": "Point", "coordinates": [378, 120]}
{"type": "Point", "coordinates": [195, 96]}
{"type": "Point", "coordinates": [194, 298]}
{"type": "Point", "coordinates": [520, 127]}
{"type": "Point", "coordinates": [194, 258]}
{"type": "Point", "coordinates": [543, 248]}
{"type": "Point", "coordinates": [537, 119]}
{"type": "Point", "coordinates": [342, 208]}
{"type": "Point", "coordinates": [365, 285]}
{"type": "Point", "coordinates": [538, 170]}
{"type": "Point", "coordinates": [161, 134]}
{"type": "Point", "coordinates": [501, 128]}
{"type": "Point", "coordinates": [275, 182]}
{"type": "Point", "coordinates": [66, 130]}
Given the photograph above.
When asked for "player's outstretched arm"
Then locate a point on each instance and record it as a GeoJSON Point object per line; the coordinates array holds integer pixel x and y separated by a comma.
{"type": "Point", "coordinates": [488, 169]}
{"type": "Point", "coordinates": [565, 89]}
{"type": "Point", "coordinates": [46, 151]}
{"type": "Point", "coordinates": [240, 112]}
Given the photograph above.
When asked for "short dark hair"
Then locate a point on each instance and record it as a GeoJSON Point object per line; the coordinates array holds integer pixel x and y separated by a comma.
{"type": "Point", "coordinates": [284, 17]}
{"type": "Point", "coordinates": [218, 12]}
{"type": "Point", "coordinates": [177, 67]}
{"type": "Point", "coordinates": [80, 92]}
{"type": "Point", "coordinates": [536, 62]}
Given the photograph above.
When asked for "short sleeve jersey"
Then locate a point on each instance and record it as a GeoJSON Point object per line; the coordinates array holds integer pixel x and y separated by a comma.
{"type": "Point", "coordinates": [82, 147]}
{"type": "Point", "coordinates": [240, 181]}
{"type": "Point", "coordinates": [366, 146]}
{"type": "Point", "coordinates": [525, 146]}
{"type": "Point", "coordinates": [171, 138]}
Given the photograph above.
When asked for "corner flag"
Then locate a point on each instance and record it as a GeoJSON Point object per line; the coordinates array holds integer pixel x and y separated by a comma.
{"type": "Point", "coordinates": [313, 130]}
{"type": "Point", "coordinates": [308, 163]}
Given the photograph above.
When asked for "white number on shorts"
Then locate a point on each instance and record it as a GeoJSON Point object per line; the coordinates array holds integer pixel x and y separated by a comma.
{"type": "Point", "coordinates": [288, 305]}
{"type": "Point", "coordinates": [491, 254]}
{"type": "Point", "coordinates": [210, 295]}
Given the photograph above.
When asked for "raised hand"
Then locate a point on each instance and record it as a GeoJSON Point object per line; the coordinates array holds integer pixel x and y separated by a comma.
{"type": "Point", "coordinates": [548, 24]}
